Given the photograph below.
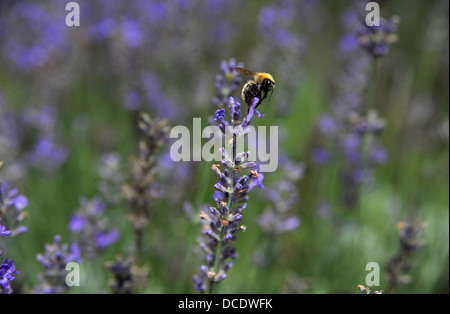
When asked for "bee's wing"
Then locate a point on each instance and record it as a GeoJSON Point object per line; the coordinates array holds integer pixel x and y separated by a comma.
{"type": "Point", "coordinates": [245, 72]}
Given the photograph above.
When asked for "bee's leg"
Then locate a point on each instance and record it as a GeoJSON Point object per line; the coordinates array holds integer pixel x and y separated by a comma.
{"type": "Point", "coordinates": [271, 92]}
{"type": "Point", "coordinates": [249, 101]}
{"type": "Point", "coordinates": [261, 98]}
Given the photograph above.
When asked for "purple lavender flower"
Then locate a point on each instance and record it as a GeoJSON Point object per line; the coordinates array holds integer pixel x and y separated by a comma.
{"type": "Point", "coordinates": [222, 222]}
{"type": "Point", "coordinates": [251, 113]}
{"type": "Point", "coordinates": [4, 232]}
{"type": "Point", "coordinates": [132, 100]}
{"type": "Point", "coordinates": [257, 181]}
{"type": "Point", "coordinates": [235, 110]}
{"type": "Point", "coordinates": [327, 125]}
{"type": "Point", "coordinates": [40, 37]}
{"type": "Point", "coordinates": [165, 107]}
{"type": "Point", "coordinates": [269, 222]}
{"type": "Point", "coordinates": [105, 239]}
{"type": "Point", "coordinates": [278, 217]}
{"type": "Point", "coordinates": [284, 47]}
{"type": "Point", "coordinates": [57, 255]}
{"type": "Point", "coordinates": [11, 215]}
{"type": "Point", "coordinates": [378, 39]}
{"type": "Point", "coordinates": [47, 154]}
{"type": "Point", "coordinates": [320, 155]}
{"type": "Point", "coordinates": [147, 91]}
{"type": "Point", "coordinates": [102, 30]}
{"type": "Point", "coordinates": [227, 82]}
{"type": "Point", "coordinates": [77, 223]}
{"type": "Point", "coordinates": [158, 12]}
{"type": "Point", "coordinates": [132, 33]}
{"type": "Point", "coordinates": [378, 156]}
{"type": "Point", "coordinates": [30, 140]}
{"type": "Point", "coordinates": [352, 133]}
{"type": "Point", "coordinates": [90, 225]}
{"type": "Point", "coordinates": [7, 272]}
{"type": "Point", "coordinates": [10, 143]}
{"type": "Point", "coordinates": [37, 138]}
{"type": "Point", "coordinates": [220, 117]}
{"type": "Point", "coordinates": [12, 207]}
{"type": "Point", "coordinates": [349, 43]}
{"type": "Point", "coordinates": [274, 23]}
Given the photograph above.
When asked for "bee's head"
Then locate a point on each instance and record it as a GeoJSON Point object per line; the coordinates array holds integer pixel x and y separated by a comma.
{"type": "Point", "coordinates": [268, 85]}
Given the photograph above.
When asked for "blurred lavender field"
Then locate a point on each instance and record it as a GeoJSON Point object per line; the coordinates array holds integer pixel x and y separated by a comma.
{"type": "Point", "coordinates": [86, 174]}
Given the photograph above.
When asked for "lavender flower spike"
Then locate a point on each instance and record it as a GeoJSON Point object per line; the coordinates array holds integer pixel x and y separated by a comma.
{"type": "Point", "coordinates": [226, 82]}
{"type": "Point", "coordinates": [57, 255]}
{"type": "Point", "coordinates": [4, 232]}
{"type": "Point", "coordinates": [141, 191]}
{"type": "Point", "coordinates": [223, 222]}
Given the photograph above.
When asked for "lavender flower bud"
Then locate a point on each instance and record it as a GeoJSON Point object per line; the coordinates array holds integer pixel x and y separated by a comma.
{"type": "Point", "coordinates": [378, 39]}
{"type": "Point", "coordinates": [4, 232]}
{"type": "Point", "coordinates": [219, 116]}
{"type": "Point", "coordinates": [247, 165]}
{"type": "Point", "coordinates": [215, 212]}
{"type": "Point", "coordinates": [235, 110]}
{"type": "Point", "coordinates": [124, 276]}
{"type": "Point", "coordinates": [242, 157]}
{"type": "Point", "coordinates": [7, 272]}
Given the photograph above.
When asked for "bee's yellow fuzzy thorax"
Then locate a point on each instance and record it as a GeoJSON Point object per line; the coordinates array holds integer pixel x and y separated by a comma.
{"type": "Point", "coordinates": [262, 76]}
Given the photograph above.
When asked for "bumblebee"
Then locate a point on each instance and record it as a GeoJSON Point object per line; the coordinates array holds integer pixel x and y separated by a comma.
{"type": "Point", "coordinates": [259, 86]}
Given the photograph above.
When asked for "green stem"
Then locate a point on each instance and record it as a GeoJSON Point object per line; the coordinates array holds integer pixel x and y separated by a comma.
{"type": "Point", "coordinates": [373, 84]}
{"type": "Point", "coordinates": [216, 262]}
{"type": "Point", "coordinates": [367, 138]}
{"type": "Point", "coordinates": [139, 242]}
